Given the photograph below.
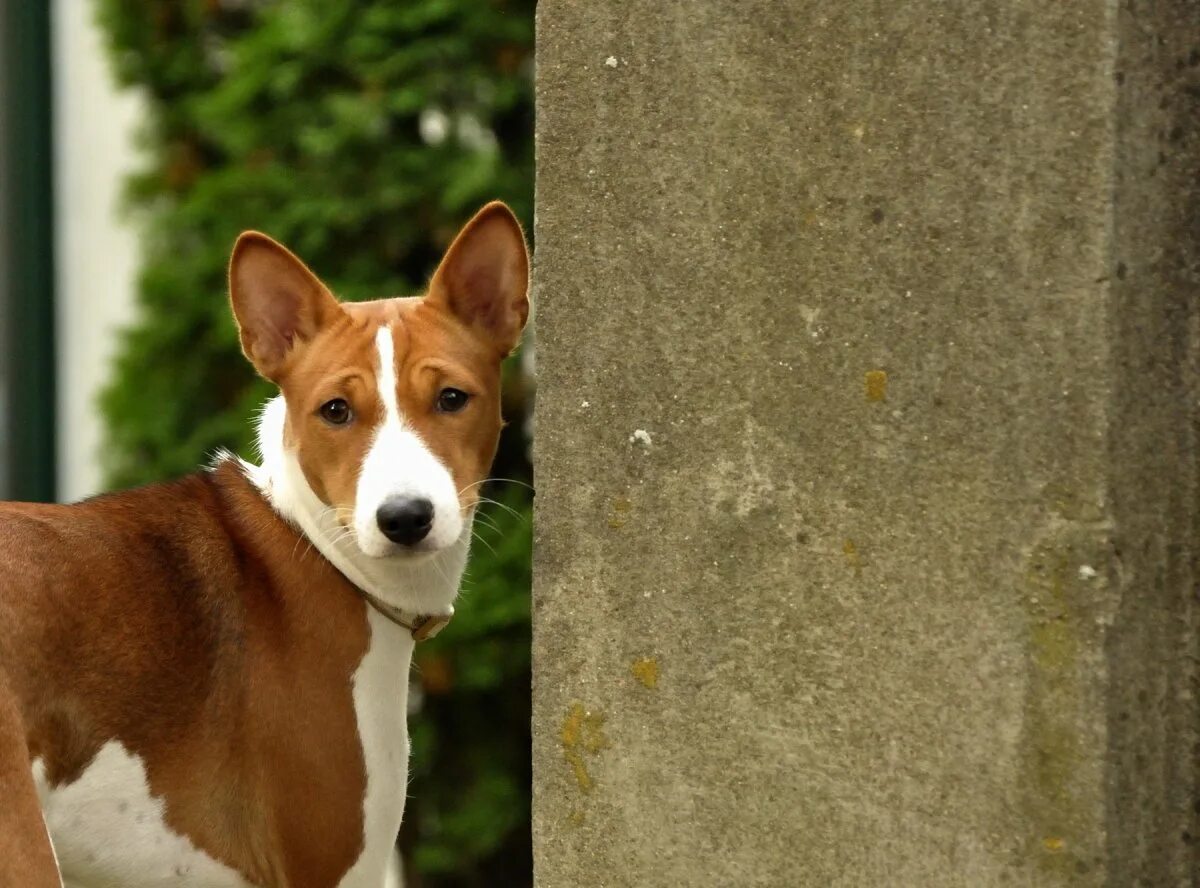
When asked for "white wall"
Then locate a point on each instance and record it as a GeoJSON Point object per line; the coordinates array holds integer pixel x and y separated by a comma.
{"type": "Point", "coordinates": [96, 251]}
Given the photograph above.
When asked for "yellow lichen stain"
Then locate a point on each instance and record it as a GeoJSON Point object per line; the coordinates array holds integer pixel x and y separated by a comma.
{"type": "Point", "coordinates": [853, 558]}
{"type": "Point", "coordinates": [619, 517]}
{"type": "Point", "coordinates": [576, 818]}
{"type": "Point", "coordinates": [645, 670]}
{"type": "Point", "coordinates": [1053, 759]}
{"type": "Point", "coordinates": [876, 385]}
{"type": "Point", "coordinates": [582, 732]}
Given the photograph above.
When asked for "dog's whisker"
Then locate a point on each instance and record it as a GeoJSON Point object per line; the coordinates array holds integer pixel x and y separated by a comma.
{"type": "Point", "coordinates": [504, 506]}
{"type": "Point", "coordinates": [491, 548]}
{"type": "Point", "coordinates": [489, 522]}
{"type": "Point", "coordinates": [492, 530]}
{"type": "Point", "coordinates": [437, 564]}
{"type": "Point", "coordinates": [302, 538]}
{"type": "Point", "coordinates": [496, 481]}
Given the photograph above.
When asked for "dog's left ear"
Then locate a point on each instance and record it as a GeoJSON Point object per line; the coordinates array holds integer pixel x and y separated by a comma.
{"type": "Point", "coordinates": [484, 277]}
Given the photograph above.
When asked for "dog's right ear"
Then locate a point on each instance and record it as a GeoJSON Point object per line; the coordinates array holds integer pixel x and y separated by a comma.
{"type": "Point", "coordinates": [277, 301]}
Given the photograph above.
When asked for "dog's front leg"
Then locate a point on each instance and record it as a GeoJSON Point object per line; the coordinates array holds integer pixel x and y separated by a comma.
{"type": "Point", "coordinates": [26, 855]}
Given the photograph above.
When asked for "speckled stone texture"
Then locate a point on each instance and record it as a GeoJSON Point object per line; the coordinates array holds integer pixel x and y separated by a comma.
{"type": "Point", "coordinates": [867, 515]}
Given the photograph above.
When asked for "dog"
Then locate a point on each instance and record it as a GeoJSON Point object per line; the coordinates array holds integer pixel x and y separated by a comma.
{"type": "Point", "coordinates": [203, 683]}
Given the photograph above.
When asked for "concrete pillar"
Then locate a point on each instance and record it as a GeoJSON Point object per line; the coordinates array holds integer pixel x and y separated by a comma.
{"type": "Point", "coordinates": [866, 530]}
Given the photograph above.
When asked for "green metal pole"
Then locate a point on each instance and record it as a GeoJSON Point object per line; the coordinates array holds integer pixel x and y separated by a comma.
{"type": "Point", "coordinates": [26, 225]}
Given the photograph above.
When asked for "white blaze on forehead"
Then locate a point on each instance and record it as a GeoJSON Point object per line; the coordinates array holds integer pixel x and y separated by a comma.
{"type": "Point", "coordinates": [385, 344]}
{"type": "Point", "coordinates": [398, 464]}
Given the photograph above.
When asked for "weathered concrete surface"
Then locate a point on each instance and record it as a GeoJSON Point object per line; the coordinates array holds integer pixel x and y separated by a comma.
{"type": "Point", "coordinates": [898, 588]}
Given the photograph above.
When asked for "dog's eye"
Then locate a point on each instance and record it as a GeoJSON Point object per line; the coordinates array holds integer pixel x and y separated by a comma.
{"type": "Point", "coordinates": [336, 412]}
{"type": "Point", "coordinates": [451, 400]}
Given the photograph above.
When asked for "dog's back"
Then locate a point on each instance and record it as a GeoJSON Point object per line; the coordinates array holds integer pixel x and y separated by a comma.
{"type": "Point", "coordinates": [94, 596]}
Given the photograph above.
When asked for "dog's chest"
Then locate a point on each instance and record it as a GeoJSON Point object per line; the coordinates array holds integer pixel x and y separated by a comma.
{"type": "Point", "coordinates": [381, 708]}
{"type": "Point", "coordinates": [109, 831]}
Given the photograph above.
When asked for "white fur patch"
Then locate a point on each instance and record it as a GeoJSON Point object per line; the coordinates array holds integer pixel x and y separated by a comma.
{"type": "Point", "coordinates": [381, 707]}
{"type": "Point", "coordinates": [108, 831]}
{"type": "Point", "coordinates": [400, 465]}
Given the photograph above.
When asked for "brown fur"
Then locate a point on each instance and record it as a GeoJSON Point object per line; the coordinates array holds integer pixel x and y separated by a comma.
{"type": "Point", "coordinates": [193, 625]}
{"type": "Point", "coordinates": [432, 352]}
{"type": "Point", "coordinates": [177, 628]}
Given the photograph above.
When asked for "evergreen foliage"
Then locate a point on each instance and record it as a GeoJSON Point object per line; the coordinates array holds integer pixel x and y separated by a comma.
{"type": "Point", "coordinates": [362, 134]}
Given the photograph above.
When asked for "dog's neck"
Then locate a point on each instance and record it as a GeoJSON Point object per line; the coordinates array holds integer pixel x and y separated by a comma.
{"type": "Point", "coordinates": [416, 588]}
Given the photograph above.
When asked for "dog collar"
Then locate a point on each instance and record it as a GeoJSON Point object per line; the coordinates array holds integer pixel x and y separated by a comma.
{"type": "Point", "coordinates": [422, 626]}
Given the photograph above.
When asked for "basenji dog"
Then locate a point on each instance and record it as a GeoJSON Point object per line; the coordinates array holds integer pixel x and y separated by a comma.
{"type": "Point", "coordinates": [204, 683]}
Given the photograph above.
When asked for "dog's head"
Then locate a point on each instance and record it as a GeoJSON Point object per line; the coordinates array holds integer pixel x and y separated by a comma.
{"type": "Point", "coordinates": [393, 406]}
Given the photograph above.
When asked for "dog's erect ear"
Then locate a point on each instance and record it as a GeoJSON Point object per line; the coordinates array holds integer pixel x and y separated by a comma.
{"type": "Point", "coordinates": [277, 301]}
{"type": "Point", "coordinates": [484, 277]}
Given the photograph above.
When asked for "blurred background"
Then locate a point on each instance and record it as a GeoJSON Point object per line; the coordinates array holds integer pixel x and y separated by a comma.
{"type": "Point", "coordinates": [137, 138]}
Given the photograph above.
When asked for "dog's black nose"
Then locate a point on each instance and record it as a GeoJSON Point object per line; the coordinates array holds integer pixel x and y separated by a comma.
{"type": "Point", "coordinates": [405, 519]}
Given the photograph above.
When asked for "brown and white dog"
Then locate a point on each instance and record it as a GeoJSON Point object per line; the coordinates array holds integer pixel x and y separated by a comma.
{"type": "Point", "coordinates": [203, 683]}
